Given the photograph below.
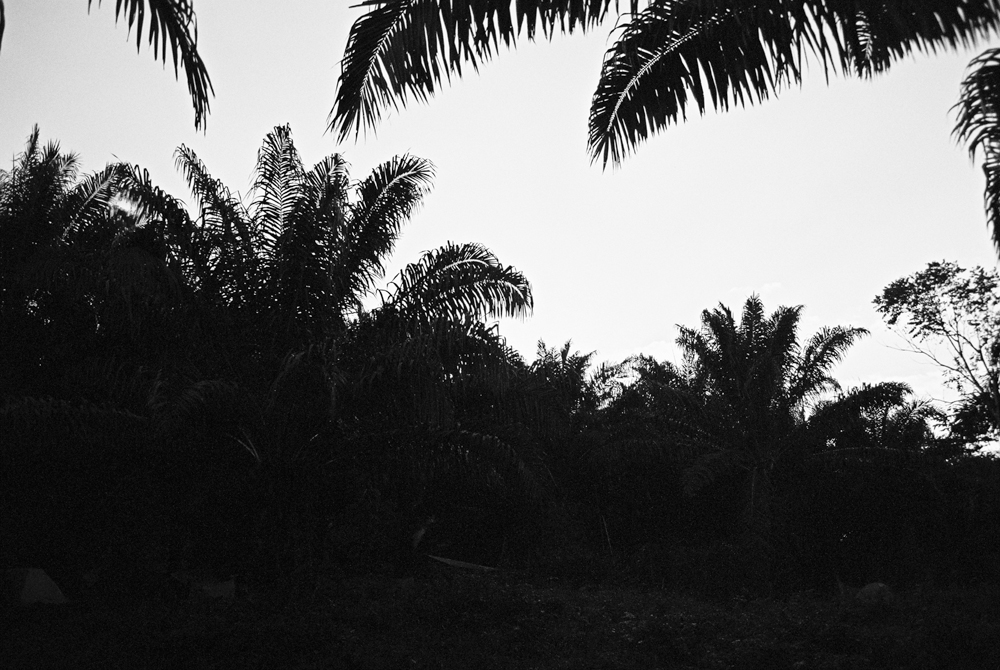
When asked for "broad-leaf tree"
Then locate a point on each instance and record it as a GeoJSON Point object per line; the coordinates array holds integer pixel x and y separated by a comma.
{"type": "Point", "coordinates": [952, 316]}
{"type": "Point", "coordinates": [668, 56]}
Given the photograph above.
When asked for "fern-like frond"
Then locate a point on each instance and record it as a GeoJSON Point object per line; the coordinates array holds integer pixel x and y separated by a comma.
{"type": "Point", "coordinates": [219, 209]}
{"type": "Point", "coordinates": [824, 349]}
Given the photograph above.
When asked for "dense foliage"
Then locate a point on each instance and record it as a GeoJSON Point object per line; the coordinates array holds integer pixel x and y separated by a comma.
{"type": "Point", "coordinates": [232, 386]}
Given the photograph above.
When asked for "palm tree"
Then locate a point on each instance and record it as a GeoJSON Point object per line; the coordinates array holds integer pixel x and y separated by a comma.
{"type": "Point", "coordinates": [429, 341]}
{"type": "Point", "coordinates": [742, 403]}
{"type": "Point", "coordinates": [425, 371]}
{"type": "Point", "coordinates": [295, 263]}
{"type": "Point", "coordinates": [665, 55]}
{"type": "Point", "coordinates": [60, 245]}
{"type": "Point", "coordinates": [173, 27]}
{"type": "Point", "coordinates": [281, 281]}
{"type": "Point", "coordinates": [867, 422]}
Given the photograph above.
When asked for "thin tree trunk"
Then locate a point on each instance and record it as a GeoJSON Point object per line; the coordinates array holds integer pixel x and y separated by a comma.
{"type": "Point", "coordinates": [757, 528]}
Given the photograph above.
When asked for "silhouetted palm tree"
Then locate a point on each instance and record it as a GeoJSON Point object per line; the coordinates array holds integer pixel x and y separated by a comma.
{"type": "Point", "coordinates": [281, 285]}
{"type": "Point", "coordinates": [295, 264]}
{"type": "Point", "coordinates": [61, 249]}
{"type": "Point", "coordinates": [173, 28]}
{"type": "Point", "coordinates": [665, 55]}
{"type": "Point", "coordinates": [740, 404]}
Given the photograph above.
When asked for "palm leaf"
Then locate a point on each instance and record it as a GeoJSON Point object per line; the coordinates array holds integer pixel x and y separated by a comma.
{"type": "Point", "coordinates": [978, 125]}
{"type": "Point", "coordinates": [460, 282]}
{"type": "Point", "coordinates": [386, 200]}
{"type": "Point", "coordinates": [277, 179]}
{"type": "Point", "coordinates": [172, 24]}
{"type": "Point", "coordinates": [720, 54]}
{"type": "Point", "coordinates": [219, 209]}
{"type": "Point", "coordinates": [824, 349]}
{"type": "Point", "coordinates": [403, 49]}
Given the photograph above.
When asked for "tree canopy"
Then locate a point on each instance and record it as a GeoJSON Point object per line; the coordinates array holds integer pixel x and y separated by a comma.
{"type": "Point", "coordinates": [952, 316]}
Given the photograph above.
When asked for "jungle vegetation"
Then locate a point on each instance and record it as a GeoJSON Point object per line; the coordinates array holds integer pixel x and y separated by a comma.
{"type": "Point", "coordinates": [234, 385]}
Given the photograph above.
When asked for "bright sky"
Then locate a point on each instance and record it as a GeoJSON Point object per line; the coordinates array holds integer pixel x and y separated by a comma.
{"type": "Point", "coordinates": [819, 198]}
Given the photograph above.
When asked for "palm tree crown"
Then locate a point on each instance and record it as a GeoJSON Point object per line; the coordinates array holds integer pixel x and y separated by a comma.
{"type": "Point", "coordinates": [301, 256]}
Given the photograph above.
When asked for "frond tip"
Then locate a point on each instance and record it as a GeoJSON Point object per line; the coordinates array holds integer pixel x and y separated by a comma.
{"type": "Point", "coordinates": [173, 25]}
{"type": "Point", "coordinates": [978, 126]}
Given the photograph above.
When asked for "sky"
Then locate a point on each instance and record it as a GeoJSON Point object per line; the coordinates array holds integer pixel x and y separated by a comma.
{"type": "Point", "coordinates": [820, 197]}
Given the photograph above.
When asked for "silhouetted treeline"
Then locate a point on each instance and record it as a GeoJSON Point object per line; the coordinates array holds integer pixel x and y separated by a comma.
{"type": "Point", "coordinates": [206, 387]}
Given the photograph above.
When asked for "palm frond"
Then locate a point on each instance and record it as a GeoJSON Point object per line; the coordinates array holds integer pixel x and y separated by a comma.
{"type": "Point", "coordinates": [874, 422]}
{"type": "Point", "coordinates": [386, 200]}
{"type": "Point", "coordinates": [173, 26]}
{"type": "Point", "coordinates": [403, 49]}
{"type": "Point", "coordinates": [24, 416]}
{"type": "Point", "coordinates": [88, 202]}
{"type": "Point", "coordinates": [460, 282]}
{"type": "Point", "coordinates": [824, 349]}
{"type": "Point", "coordinates": [277, 182]}
{"type": "Point", "coordinates": [150, 203]}
{"type": "Point", "coordinates": [713, 53]}
{"type": "Point", "coordinates": [219, 208]}
{"type": "Point", "coordinates": [978, 126]}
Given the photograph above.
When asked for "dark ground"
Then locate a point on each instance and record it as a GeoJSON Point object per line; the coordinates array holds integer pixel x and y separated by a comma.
{"type": "Point", "coordinates": [487, 622]}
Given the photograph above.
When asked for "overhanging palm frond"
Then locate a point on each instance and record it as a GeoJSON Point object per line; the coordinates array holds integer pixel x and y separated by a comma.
{"type": "Point", "coordinates": [402, 49]}
{"type": "Point", "coordinates": [172, 24]}
{"type": "Point", "coordinates": [723, 53]}
{"type": "Point", "coordinates": [460, 282]}
{"type": "Point", "coordinates": [978, 125]}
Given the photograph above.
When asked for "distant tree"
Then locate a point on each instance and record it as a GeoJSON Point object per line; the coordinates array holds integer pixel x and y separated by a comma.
{"type": "Point", "coordinates": [173, 26]}
{"type": "Point", "coordinates": [952, 317]}
{"type": "Point", "coordinates": [860, 422]}
{"type": "Point", "coordinates": [665, 52]}
{"type": "Point", "coordinates": [753, 382]}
